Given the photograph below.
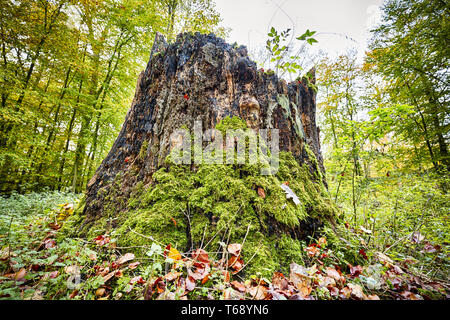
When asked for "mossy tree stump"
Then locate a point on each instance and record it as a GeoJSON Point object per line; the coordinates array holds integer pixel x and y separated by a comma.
{"type": "Point", "coordinates": [202, 78]}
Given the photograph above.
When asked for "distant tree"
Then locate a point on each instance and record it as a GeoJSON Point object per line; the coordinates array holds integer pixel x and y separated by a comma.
{"type": "Point", "coordinates": [68, 71]}
{"type": "Point", "coordinates": [410, 51]}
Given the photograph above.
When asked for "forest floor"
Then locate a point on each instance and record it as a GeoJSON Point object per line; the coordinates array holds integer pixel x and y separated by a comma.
{"type": "Point", "coordinates": [368, 258]}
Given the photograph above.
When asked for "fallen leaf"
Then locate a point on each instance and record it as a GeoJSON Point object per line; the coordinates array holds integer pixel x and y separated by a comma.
{"type": "Point", "coordinates": [356, 291]}
{"type": "Point", "coordinates": [206, 278]}
{"type": "Point", "coordinates": [327, 282]}
{"type": "Point", "coordinates": [365, 230]}
{"type": "Point", "coordinates": [355, 271]}
{"type": "Point", "coordinates": [231, 294]}
{"type": "Point", "coordinates": [174, 254]}
{"type": "Point", "coordinates": [300, 279]}
{"type": "Point", "coordinates": [72, 270]}
{"type": "Point", "coordinates": [332, 273]}
{"type": "Point", "coordinates": [167, 295]}
{"type": "Point", "coordinates": [234, 248]}
{"type": "Point", "coordinates": [238, 286]}
{"type": "Point", "coordinates": [172, 276]}
{"type": "Point", "coordinates": [279, 281]}
{"type": "Point", "coordinates": [4, 254]}
{"type": "Point", "coordinates": [363, 253]}
{"type": "Point", "coordinates": [108, 276]}
{"type": "Point", "coordinates": [334, 292]}
{"type": "Point", "coordinates": [137, 279]}
{"type": "Point", "coordinates": [226, 276]}
{"type": "Point", "coordinates": [417, 237]}
{"type": "Point", "coordinates": [236, 263]}
{"type": "Point", "coordinates": [312, 250]}
{"type": "Point", "coordinates": [100, 292]}
{"type": "Point", "coordinates": [345, 293]}
{"type": "Point", "coordinates": [200, 255]}
{"type": "Point", "coordinates": [49, 243]}
{"type": "Point", "coordinates": [133, 265]}
{"type": "Point", "coordinates": [429, 248]}
{"type": "Point", "coordinates": [101, 240]}
{"type": "Point", "coordinates": [322, 241]}
{"type": "Point", "coordinates": [73, 294]}
{"type": "Point", "coordinates": [383, 258]}
{"type": "Point", "coordinates": [125, 258]}
{"type": "Point", "coordinates": [200, 271]}
{"type": "Point", "coordinates": [38, 295]}
{"type": "Point", "coordinates": [190, 284]}
{"type": "Point", "coordinates": [17, 276]}
{"type": "Point", "coordinates": [261, 193]}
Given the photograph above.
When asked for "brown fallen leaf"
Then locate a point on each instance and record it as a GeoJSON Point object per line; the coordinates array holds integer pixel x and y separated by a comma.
{"type": "Point", "coordinates": [279, 281]}
{"type": "Point", "coordinates": [235, 249]}
{"type": "Point", "coordinates": [261, 193]}
{"type": "Point", "coordinates": [238, 286]}
{"type": "Point", "coordinates": [357, 291]}
{"type": "Point", "coordinates": [190, 284]}
{"type": "Point", "coordinates": [49, 243]}
{"type": "Point", "coordinates": [138, 280]}
{"type": "Point", "coordinates": [172, 276]}
{"type": "Point", "coordinates": [383, 258]}
{"type": "Point", "coordinates": [125, 258]}
{"type": "Point", "coordinates": [73, 294]}
{"type": "Point", "coordinates": [205, 279]}
{"type": "Point", "coordinates": [133, 265]}
{"type": "Point", "coordinates": [226, 276]}
{"type": "Point", "coordinates": [231, 294]}
{"type": "Point", "coordinates": [100, 292]}
{"type": "Point", "coordinates": [200, 255]}
{"type": "Point", "coordinates": [345, 293]}
{"type": "Point", "coordinates": [355, 271]}
{"type": "Point", "coordinates": [200, 271]}
{"type": "Point", "coordinates": [326, 282]}
{"type": "Point", "coordinates": [298, 274]}
{"type": "Point", "coordinates": [334, 292]}
{"type": "Point", "coordinates": [17, 276]}
{"type": "Point", "coordinates": [258, 292]}
{"type": "Point", "coordinates": [72, 270]}
{"type": "Point", "coordinates": [109, 276]}
{"type": "Point", "coordinates": [332, 273]}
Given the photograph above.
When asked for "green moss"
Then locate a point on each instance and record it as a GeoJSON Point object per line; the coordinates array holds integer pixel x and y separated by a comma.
{"type": "Point", "coordinates": [231, 123]}
{"type": "Point", "coordinates": [312, 157]}
{"type": "Point", "coordinates": [307, 78]}
{"type": "Point", "coordinates": [143, 151]}
{"type": "Point", "coordinates": [224, 199]}
{"type": "Point", "coordinates": [221, 202]}
{"type": "Point", "coordinates": [74, 222]}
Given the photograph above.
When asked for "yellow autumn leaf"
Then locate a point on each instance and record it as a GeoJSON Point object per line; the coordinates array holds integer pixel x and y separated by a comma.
{"type": "Point", "coordinates": [174, 254]}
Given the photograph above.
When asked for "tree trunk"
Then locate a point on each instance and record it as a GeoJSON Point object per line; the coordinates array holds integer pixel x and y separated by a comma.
{"type": "Point", "coordinates": [201, 78]}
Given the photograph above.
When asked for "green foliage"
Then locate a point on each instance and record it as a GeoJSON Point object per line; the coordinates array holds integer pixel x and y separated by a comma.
{"type": "Point", "coordinates": [67, 77]}
{"type": "Point", "coordinates": [410, 53]}
{"type": "Point", "coordinates": [383, 129]}
{"type": "Point", "coordinates": [278, 47]}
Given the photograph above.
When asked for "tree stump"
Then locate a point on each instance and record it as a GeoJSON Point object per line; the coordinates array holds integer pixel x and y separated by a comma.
{"type": "Point", "coordinates": [202, 78]}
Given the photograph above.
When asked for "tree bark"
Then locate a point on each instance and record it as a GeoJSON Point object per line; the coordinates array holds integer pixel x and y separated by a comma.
{"type": "Point", "coordinates": [201, 78]}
